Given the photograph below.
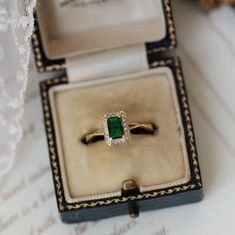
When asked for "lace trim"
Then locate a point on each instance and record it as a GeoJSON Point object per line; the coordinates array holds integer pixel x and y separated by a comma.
{"type": "Point", "coordinates": [16, 25]}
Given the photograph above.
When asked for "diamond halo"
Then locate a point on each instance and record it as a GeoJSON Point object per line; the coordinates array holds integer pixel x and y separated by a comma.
{"type": "Point", "coordinates": [116, 128]}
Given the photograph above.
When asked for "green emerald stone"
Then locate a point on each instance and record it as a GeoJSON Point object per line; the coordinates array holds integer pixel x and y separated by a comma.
{"type": "Point", "coordinates": [115, 127]}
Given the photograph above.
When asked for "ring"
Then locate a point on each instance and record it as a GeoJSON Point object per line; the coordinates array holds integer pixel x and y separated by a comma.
{"type": "Point", "coordinates": [116, 130]}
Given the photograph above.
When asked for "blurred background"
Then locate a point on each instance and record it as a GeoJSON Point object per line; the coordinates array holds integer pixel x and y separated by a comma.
{"type": "Point", "coordinates": [206, 46]}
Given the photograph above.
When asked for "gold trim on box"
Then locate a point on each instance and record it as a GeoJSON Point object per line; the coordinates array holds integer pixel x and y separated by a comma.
{"type": "Point", "coordinates": [55, 165]}
{"type": "Point", "coordinates": [54, 67]}
{"type": "Point", "coordinates": [171, 29]}
{"type": "Point", "coordinates": [38, 58]}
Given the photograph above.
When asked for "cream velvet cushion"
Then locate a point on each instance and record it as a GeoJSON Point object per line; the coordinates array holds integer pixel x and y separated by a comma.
{"type": "Point", "coordinates": [97, 170]}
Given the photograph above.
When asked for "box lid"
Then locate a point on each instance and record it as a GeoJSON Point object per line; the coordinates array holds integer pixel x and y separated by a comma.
{"type": "Point", "coordinates": [57, 40]}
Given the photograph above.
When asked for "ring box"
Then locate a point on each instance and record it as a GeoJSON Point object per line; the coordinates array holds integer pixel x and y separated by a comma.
{"type": "Point", "coordinates": [110, 52]}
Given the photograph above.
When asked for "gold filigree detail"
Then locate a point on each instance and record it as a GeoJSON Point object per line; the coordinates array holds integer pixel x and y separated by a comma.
{"type": "Point", "coordinates": [38, 58]}
{"type": "Point", "coordinates": [171, 29]}
{"type": "Point", "coordinates": [50, 138]}
{"type": "Point", "coordinates": [188, 119]}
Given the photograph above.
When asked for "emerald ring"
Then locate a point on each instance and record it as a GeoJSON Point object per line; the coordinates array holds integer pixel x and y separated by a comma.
{"type": "Point", "coordinates": [116, 130]}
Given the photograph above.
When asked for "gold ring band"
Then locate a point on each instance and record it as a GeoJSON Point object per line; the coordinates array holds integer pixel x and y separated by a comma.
{"type": "Point", "coordinates": [116, 130]}
{"type": "Point", "coordinates": [135, 128]}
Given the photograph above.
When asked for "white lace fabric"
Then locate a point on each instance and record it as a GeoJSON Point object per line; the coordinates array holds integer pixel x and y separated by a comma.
{"type": "Point", "coordinates": [16, 25]}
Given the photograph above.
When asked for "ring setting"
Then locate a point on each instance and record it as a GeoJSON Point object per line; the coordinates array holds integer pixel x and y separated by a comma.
{"type": "Point", "coordinates": [116, 128]}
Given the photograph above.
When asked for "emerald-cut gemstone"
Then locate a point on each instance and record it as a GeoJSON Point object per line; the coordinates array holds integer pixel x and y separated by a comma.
{"type": "Point", "coordinates": [115, 127]}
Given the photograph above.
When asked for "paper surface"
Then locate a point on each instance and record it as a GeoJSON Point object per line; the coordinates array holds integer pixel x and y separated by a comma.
{"type": "Point", "coordinates": [207, 50]}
